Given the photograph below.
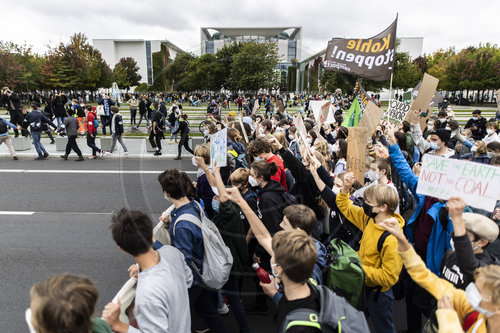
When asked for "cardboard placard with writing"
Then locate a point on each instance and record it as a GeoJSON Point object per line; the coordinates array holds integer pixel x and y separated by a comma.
{"type": "Point", "coordinates": [356, 152]}
{"type": "Point", "coordinates": [323, 115]}
{"type": "Point", "coordinates": [370, 118]}
{"type": "Point", "coordinates": [420, 106]}
{"type": "Point", "coordinates": [218, 148]}
{"type": "Point", "coordinates": [397, 112]}
{"type": "Point", "coordinates": [255, 106]}
{"type": "Point", "coordinates": [475, 183]}
{"type": "Point", "coordinates": [243, 129]}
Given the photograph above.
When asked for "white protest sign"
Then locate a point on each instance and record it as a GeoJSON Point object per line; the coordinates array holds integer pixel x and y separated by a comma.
{"type": "Point", "coordinates": [218, 148]}
{"type": "Point", "coordinates": [316, 106]}
{"type": "Point", "coordinates": [475, 183]}
{"type": "Point", "coordinates": [397, 112]}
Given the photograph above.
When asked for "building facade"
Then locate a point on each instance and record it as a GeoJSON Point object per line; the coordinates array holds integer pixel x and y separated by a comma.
{"type": "Point", "coordinates": [140, 50]}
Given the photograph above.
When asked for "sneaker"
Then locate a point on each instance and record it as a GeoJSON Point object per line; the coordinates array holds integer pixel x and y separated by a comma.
{"type": "Point", "coordinates": [169, 142]}
{"type": "Point", "coordinates": [15, 158]}
{"type": "Point", "coordinates": [202, 329]}
{"type": "Point", "coordinates": [46, 155]}
{"type": "Point", "coordinates": [40, 158]}
{"type": "Point", "coordinates": [52, 142]}
{"type": "Point", "coordinates": [157, 153]}
{"type": "Point", "coordinates": [177, 158]}
{"type": "Point", "coordinates": [125, 153]}
{"type": "Point", "coordinates": [101, 154]}
{"type": "Point", "coordinates": [223, 309]}
{"type": "Point", "coordinates": [64, 157]}
{"type": "Point", "coordinates": [107, 153]}
{"type": "Point", "coordinates": [80, 158]}
{"type": "Point", "coordinates": [92, 157]}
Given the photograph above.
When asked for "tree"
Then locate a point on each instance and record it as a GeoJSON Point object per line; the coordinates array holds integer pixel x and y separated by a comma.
{"type": "Point", "coordinates": [224, 63]}
{"type": "Point", "coordinates": [407, 73]}
{"type": "Point", "coordinates": [437, 63]}
{"type": "Point", "coordinates": [254, 67]}
{"type": "Point", "coordinates": [126, 73]}
{"type": "Point", "coordinates": [177, 72]}
{"type": "Point", "coordinates": [292, 76]}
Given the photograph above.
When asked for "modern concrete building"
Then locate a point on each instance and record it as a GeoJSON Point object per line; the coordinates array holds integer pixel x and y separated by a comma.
{"type": "Point", "coordinates": [287, 39]}
{"type": "Point", "coordinates": [309, 70]}
{"type": "Point", "coordinates": [141, 50]}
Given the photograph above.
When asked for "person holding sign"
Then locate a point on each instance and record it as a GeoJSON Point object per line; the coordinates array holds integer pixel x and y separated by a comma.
{"type": "Point", "coordinates": [438, 140]}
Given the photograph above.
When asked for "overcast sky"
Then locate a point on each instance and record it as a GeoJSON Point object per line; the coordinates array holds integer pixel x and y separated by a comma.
{"type": "Point", "coordinates": [447, 23]}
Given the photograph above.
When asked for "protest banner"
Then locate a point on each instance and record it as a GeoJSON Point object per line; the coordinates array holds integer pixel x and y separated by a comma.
{"type": "Point", "coordinates": [475, 183]}
{"type": "Point", "coordinates": [370, 118]}
{"type": "Point", "coordinates": [324, 112]}
{"type": "Point", "coordinates": [218, 148]}
{"type": "Point", "coordinates": [299, 123]}
{"type": "Point", "coordinates": [420, 106]}
{"type": "Point", "coordinates": [372, 58]}
{"type": "Point", "coordinates": [397, 112]}
{"type": "Point", "coordinates": [356, 152]}
{"type": "Point", "coordinates": [317, 109]}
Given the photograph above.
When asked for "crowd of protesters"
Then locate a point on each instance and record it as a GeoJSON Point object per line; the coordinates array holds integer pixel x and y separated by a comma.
{"type": "Point", "coordinates": [282, 200]}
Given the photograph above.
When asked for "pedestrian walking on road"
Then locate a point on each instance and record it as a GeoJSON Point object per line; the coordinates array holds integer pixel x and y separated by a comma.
{"type": "Point", "coordinates": [34, 120]}
{"type": "Point", "coordinates": [71, 123]}
{"type": "Point", "coordinates": [117, 131]}
{"type": "Point", "coordinates": [5, 137]}
{"type": "Point", "coordinates": [92, 125]}
{"type": "Point", "coordinates": [157, 131]}
{"type": "Point", "coordinates": [184, 130]}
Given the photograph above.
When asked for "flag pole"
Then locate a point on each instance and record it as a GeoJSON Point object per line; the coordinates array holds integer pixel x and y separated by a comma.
{"type": "Point", "coordinates": [390, 97]}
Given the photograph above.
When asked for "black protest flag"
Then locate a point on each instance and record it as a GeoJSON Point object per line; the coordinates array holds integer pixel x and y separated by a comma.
{"type": "Point", "coordinates": [371, 58]}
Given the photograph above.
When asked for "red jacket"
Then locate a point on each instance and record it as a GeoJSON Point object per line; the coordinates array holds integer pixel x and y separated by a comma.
{"type": "Point", "coordinates": [90, 122]}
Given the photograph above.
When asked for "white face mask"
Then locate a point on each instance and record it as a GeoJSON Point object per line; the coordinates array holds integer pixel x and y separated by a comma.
{"type": "Point", "coordinates": [442, 120]}
{"type": "Point", "coordinates": [490, 131]}
{"type": "Point", "coordinates": [430, 127]}
{"type": "Point", "coordinates": [193, 160]}
{"type": "Point", "coordinates": [252, 181]}
{"type": "Point", "coordinates": [448, 128]}
{"type": "Point", "coordinates": [473, 149]}
{"type": "Point", "coordinates": [308, 141]}
{"type": "Point", "coordinates": [491, 154]}
{"type": "Point", "coordinates": [372, 175]}
{"type": "Point", "coordinates": [27, 316]}
{"type": "Point", "coordinates": [475, 299]}
{"type": "Point", "coordinates": [335, 148]}
{"type": "Point", "coordinates": [166, 198]}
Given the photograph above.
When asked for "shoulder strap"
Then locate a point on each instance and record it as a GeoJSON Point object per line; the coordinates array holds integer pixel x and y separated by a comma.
{"type": "Point", "coordinates": [189, 218]}
{"type": "Point", "coordinates": [301, 317]}
{"type": "Point", "coordinates": [381, 240]}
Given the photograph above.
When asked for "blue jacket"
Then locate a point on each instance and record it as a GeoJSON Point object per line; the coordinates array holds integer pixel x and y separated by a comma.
{"type": "Point", "coordinates": [439, 240]}
{"type": "Point", "coordinates": [35, 119]}
{"type": "Point", "coordinates": [188, 238]}
{"type": "Point", "coordinates": [9, 124]}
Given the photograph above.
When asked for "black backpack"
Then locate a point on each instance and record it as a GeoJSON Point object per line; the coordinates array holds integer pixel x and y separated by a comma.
{"type": "Point", "coordinates": [3, 126]}
{"type": "Point", "coordinates": [171, 118]}
{"type": "Point", "coordinates": [335, 314]}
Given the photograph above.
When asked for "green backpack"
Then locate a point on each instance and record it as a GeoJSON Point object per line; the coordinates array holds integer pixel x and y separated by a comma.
{"type": "Point", "coordinates": [344, 273]}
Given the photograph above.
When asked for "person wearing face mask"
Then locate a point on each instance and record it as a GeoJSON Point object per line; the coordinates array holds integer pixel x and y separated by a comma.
{"type": "Point", "coordinates": [437, 141]}
{"type": "Point", "coordinates": [341, 154]}
{"type": "Point", "coordinates": [471, 236]}
{"type": "Point", "coordinates": [262, 149]}
{"type": "Point", "coordinates": [479, 153]}
{"type": "Point", "coordinates": [431, 126]}
{"type": "Point", "coordinates": [456, 136]}
{"type": "Point", "coordinates": [292, 142]}
{"type": "Point", "coordinates": [491, 134]}
{"type": "Point", "coordinates": [477, 125]}
{"type": "Point", "coordinates": [382, 269]}
{"type": "Point", "coordinates": [442, 120]}
{"type": "Point", "coordinates": [477, 309]}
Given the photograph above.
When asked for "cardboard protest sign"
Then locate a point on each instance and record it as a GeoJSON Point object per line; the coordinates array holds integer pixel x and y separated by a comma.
{"type": "Point", "coordinates": [475, 183]}
{"type": "Point", "coordinates": [243, 129]}
{"type": "Point", "coordinates": [397, 112]}
{"type": "Point", "coordinates": [255, 106]}
{"type": "Point", "coordinates": [372, 58]}
{"type": "Point", "coordinates": [325, 111]}
{"type": "Point", "coordinates": [280, 106]}
{"type": "Point", "coordinates": [316, 107]}
{"type": "Point", "coordinates": [356, 152]}
{"type": "Point", "coordinates": [370, 118]}
{"type": "Point", "coordinates": [301, 128]}
{"type": "Point", "coordinates": [218, 148]}
{"type": "Point", "coordinates": [420, 106]}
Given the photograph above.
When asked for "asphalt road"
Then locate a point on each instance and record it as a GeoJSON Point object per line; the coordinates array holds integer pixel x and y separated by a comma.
{"type": "Point", "coordinates": [54, 218]}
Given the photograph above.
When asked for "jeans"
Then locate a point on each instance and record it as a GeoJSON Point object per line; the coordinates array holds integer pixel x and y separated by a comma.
{"type": "Point", "coordinates": [105, 121]}
{"type": "Point", "coordinates": [60, 121]}
{"type": "Point", "coordinates": [133, 113]}
{"type": "Point", "coordinates": [141, 116]}
{"type": "Point", "coordinates": [40, 149]}
{"type": "Point", "coordinates": [117, 137]}
{"type": "Point", "coordinates": [173, 129]}
{"type": "Point", "coordinates": [232, 293]}
{"type": "Point", "coordinates": [72, 145]}
{"type": "Point", "coordinates": [380, 311]}
{"type": "Point", "coordinates": [204, 302]}
{"type": "Point", "coordinates": [91, 144]}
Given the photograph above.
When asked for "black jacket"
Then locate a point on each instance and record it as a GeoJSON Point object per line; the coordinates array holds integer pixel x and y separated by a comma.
{"type": "Point", "coordinates": [183, 128]}
{"type": "Point", "coordinates": [270, 203]}
{"type": "Point", "coordinates": [58, 105]}
{"type": "Point", "coordinates": [458, 266]}
{"type": "Point", "coordinates": [12, 102]}
{"type": "Point", "coordinates": [481, 128]}
{"type": "Point", "coordinates": [118, 124]}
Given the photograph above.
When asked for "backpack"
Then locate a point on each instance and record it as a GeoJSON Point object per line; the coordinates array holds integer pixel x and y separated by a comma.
{"type": "Point", "coordinates": [335, 315]}
{"type": "Point", "coordinates": [401, 287]}
{"type": "Point", "coordinates": [217, 258]}
{"type": "Point", "coordinates": [241, 161]}
{"type": "Point", "coordinates": [3, 126]}
{"type": "Point", "coordinates": [171, 118]}
{"type": "Point", "coordinates": [344, 273]}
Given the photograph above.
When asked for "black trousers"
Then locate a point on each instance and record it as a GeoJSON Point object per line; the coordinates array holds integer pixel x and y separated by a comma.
{"type": "Point", "coordinates": [155, 139]}
{"type": "Point", "coordinates": [72, 145]}
{"type": "Point", "coordinates": [184, 142]}
{"type": "Point", "coordinates": [133, 113]}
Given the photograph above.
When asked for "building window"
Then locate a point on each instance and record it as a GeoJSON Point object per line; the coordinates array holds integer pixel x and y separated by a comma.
{"type": "Point", "coordinates": [209, 46]}
{"type": "Point", "coordinates": [149, 62]}
{"type": "Point", "coordinates": [292, 50]}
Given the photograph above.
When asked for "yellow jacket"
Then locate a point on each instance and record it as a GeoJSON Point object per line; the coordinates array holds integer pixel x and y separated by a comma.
{"type": "Point", "coordinates": [439, 288]}
{"type": "Point", "coordinates": [381, 269]}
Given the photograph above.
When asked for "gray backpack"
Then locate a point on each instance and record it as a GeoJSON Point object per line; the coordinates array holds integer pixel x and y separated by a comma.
{"type": "Point", "coordinates": [217, 258]}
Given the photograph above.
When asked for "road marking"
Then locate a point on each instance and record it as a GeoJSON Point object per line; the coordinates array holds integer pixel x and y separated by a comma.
{"type": "Point", "coordinates": [89, 171]}
{"type": "Point", "coordinates": [10, 212]}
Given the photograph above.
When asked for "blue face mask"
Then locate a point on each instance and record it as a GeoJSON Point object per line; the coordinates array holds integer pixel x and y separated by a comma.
{"type": "Point", "coordinates": [215, 205]}
{"type": "Point", "coordinates": [474, 118]}
{"type": "Point", "coordinates": [434, 146]}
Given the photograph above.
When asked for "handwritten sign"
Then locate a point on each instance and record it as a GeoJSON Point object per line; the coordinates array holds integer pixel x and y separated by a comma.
{"type": "Point", "coordinates": [255, 106]}
{"type": "Point", "coordinates": [280, 106]}
{"type": "Point", "coordinates": [419, 109]}
{"type": "Point", "coordinates": [397, 112]}
{"type": "Point", "coordinates": [370, 118]}
{"type": "Point", "coordinates": [243, 129]}
{"type": "Point", "coordinates": [218, 147]}
{"type": "Point", "coordinates": [475, 183]}
{"type": "Point", "coordinates": [356, 152]}
{"type": "Point", "coordinates": [317, 108]}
